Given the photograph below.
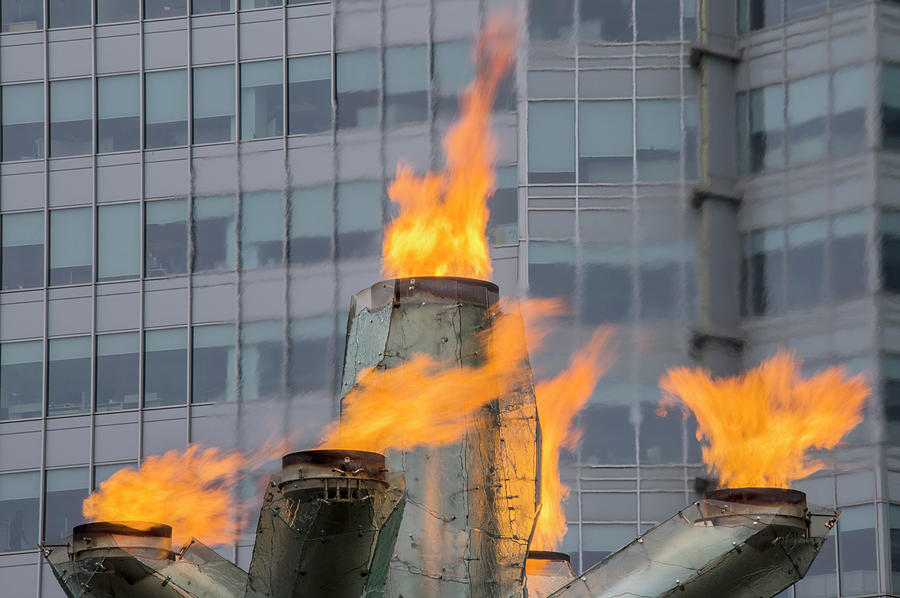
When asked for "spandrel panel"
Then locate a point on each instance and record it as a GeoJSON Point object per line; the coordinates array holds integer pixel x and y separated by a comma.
{"type": "Point", "coordinates": [22, 252]}
{"type": "Point", "coordinates": [118, 365]}
{"type": "Point", "coordinates": [19, 510]}
{"type": "Point", "coordinates": [21, 380]}
{"type": "Point", "coordinates": [65, 491]}
{"type": "Point", "coordinates": [166, 237]}
{"type": "Point", "coordinates": [69, 376]}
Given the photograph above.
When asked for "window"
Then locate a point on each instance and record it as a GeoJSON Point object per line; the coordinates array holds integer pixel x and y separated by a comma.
{"type": "Point", "coordinates": [550, 19]}
{"type": "Point", "coordinates": [691, 138]}
{"type": "Point", "coordinates": [166, 109]}
{"type": "Point", "coordinates": [166, 237]}
{"type": "Point", "coordinates": [608, 21]}
{"type": "Point", "coordinates": [856, 543]}
{"type": "Point", "coordinates": [117, 11]}
{"type": "Point", "coordinates": [69, 376]}
{"type": "Point", "coordinates": [312, 224]}
{"type": "Point", "coordinates": [157, 9]}
{"type": "Point", "coordinates": [503, 224]}
{"type": "Point", "coordinates": [199, 7]}
{"type": "Point", "coordinates": [104, 472]}
{"type": "Point", "coordinates": [890, 108]}
{"type": "Point", "coordinates": [357, 89]}
{"type": "Point", "coordinates": [660, 276]}
{"type": "Point", "coordinates": [848, 110]}
{"type": "Point", "coordinates": [605, 143]}
{"type": "Point", "coordinates": [23, 121]}
{"type": "Point", "coordinates": [405, 84]}
{"type": "Point", "coordinates": [608, 285]}
{"type": "Point", "coordinates": [766, 128]}
{"type": "Point", "coordinates": [551, 267]}
{"type": "Point", "coordinates": [70, 117]}
{"type": "Point", "coordinates": [215, 238]}
{"type": "Point", "coordinates": [21, 379]}
{"type": "Point", "coordinates": [20, 495]}
{"type": "Point", "coordinates": [453, 70]}
{"type": "Point", "coordinates": [261, 100]}
{"type": "Point", "coordinates": [551, 142]}
{"type": "Point", "coordinates": [66, 489]}
{"type": "Point", "coordinates": [742, 132]}
{"type": "Point", "coordinates": [359, 218]}
{"type": "Point", "coordinates": [262, 229]}
{"type": "Point", "coordinates": [71, 246]}
{"type": "Point", "coordinates": [69, 13]}
{"type": "Point", "coordinates": [617, 444]}
{"type": "Point", "coordinates": [807, 107]}
{"type": "Point", "coordinates": [214, 363]}
{"type": "Point", "coordinates": [847, 255]}
{"type": "Point", "coordinates": [22, 252]}
{"type": "Point", "coordinates": [245, 4]}
{"type": "Point", "coordinates": [806, 263]}
{"type": "Point", "coordinates": [797, 9]}
{"type": "Point", "coordinates": [659, 140]}
{"type": "Point", "coordinates": [890, 251]}
{"type": "Point", "coordinates": [821, 579]}
{"type": "Point", "coordinates": [765, 13]}
{"type": "Point", "coordinates": [118, 364]}
{"type": "Point", "coordinates": [309, 94]}
{"type": "Point", "coordinates": [119, 242]}
{"type": "Point", "coordinates": [21, 15]}
{"type": "Point", "coordinates": [262, 352]}
{"type": "Point", "coordinates": [890, 368]}
{"type": "Point", "coordinates": [118, 113]}
{"type": "Point", "coordinates": [165, 367]}
{"type": "Point", "coordinates": [661, 441]}
{"type": "Point", "coordinates": [214, 104]}
{"type": "Point", "coordinates": [657, 20]}
{"type": "Point", "coordinates": [763, 268]}
{"type": "Point", "coordinates": [310, 357]}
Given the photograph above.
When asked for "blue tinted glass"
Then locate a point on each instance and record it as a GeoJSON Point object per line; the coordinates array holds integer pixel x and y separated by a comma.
{"type": "Point", "coordinates": [309, 94]}
{"type": "Point", "coordinates": [118, 364]}
{"type": "Point", "coordinates": [21, 15]}
{"type": "Point", "coordinates": [118, 113]}
{"type": "Point", "coordinates": [65, 491]}
{"type": "Point", "coordinates": [69, 376]}
{"type": "Point", "coordinates": [22, 251]}
{"type": "Point", "coordinates": [166, 230]}
{"type": "Point", "coordinates": [71, 246]}
{"type": "Point", "coordinates": [21, 379]}
{"type": "Point", "coordinates": [214, 97]}
{"type": "Point", "coordinates": [69, 13]}
{"type": "Point", "coordinates": [261, 99]}
{"type": "Point", "coordinates": [116, 11]}
{"type": "Point", "coordinates": [23, 121]}
{"type": "Point", "coordinates": [165, 367]}
{"type": "Point", "coordinates": [20, 495]}
{"type": "Point", "coordinates": [166, 109]}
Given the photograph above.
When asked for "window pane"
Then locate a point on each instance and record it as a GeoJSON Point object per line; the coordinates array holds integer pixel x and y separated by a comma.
{"type": "Point", "coordinates": [166, 237]}
{"type": "Point", "coordinates": [453, 70]}
{"type": "Point", "coordinates": [23, 121]}
{"type": "Point", "coordinates": [21, 15]}
{"type": "Point", "coordinates": [890, 107]}
{"type": "Point", "coordinates": [765, 13]}
{"type": "Point", "coordinates": [357, 89]}
{"type": "Point", "coordinates": [21, 379]}
{"type": "Point", "coordinates": [118, 113]}
{"type": "Point", "coordinates": [118, 362]}
{"type": "Point", "coordinates": [659, 140]}
{"type": "Point", "coordinates": [260, 3]}
{"type": "Point", "coordinates": [312, 224]}
{"type": "Point", "coordinates": [214, 104]}
{"type": "Point", "coordinates": [608, 21]}
{"type": "Point", "coordinates": [806, 263]}
{"type": "Point", "coordinates": [116, 11]}
{"type": "Point", "coordinates": [550, 19]}
{"type": "Point", "coordinates": [890, 251]}
{"type": "Point", "coordinates": [262, 229]}
{"type": "Point", "coordinates": [657, 20]}
{"type": "Point", "coordinates": [206, 6]}
{"type": "Point", "coordinates": [70, 117]}
{"type": "Point", "coordinates": [551, 267]}
{"type": "Point", "coordinates": [309, 94]}
{"type": "Point", "coordinates": [766, 268]}
{"type": "Point", "coordinates": [856, 542]}
{"type": "Point", "coordinates": [359, 218]}
{"type": "Point", "coordinates": [821, 579]}
{"type": "Point", "coordinates": [806, 110]}
{"type": "Point", "coordinates": [69, 376]}
{"type": "Point", "coordinates": [19, 505]}
{"type": "Point", "coordinates": [503, 224]}
{"type": "Point", "coordinates": [166, 109]}
{"type": "Point", "coordinates": [69, 13]}
{"type": "Point", "coordinates": [608, 283]}
{"type": "Point", "coordinates": [551, 142]}
{"type": "Point", "coordinates": [22, 250]}
{"type": "Point", "coordinates": [405, 84]}
{"type": "Point", "coordinates": [104, 472]}
{"type": "Point", "coordinates": [660, 276]}
{"type": "Point", "coordinates": [895, 546]}
{"type": "Point", "coordinates": [262, 353]}
{"type": "Point", "coordinates": [310, 364]}
{"type": "Point", "coordinates": [118, 242]}
{"type": "Point", "coordinates": [847, 255]}
{"type": "Point", "coordinates": [66, 489]}
{"type": "Point", "coordinates": [157, 9]}
{"type": "Point", "coordinates": [850, 88]}
{"type": "Point", "coordinates": [766, 128]}
{"type": "Point", "coordinates": [616, 445]}
{"type": "Point", "coordinates": [742, 110]}
{"type": "Point", "coordinates": [797, 9]}
{"type": "Point", "coordinates": [261, 101]}
{"type": "Point", "coordinates": [71, 246]}
{"type": "Point", "coordinates": [215, 239]}
{"type": "Point", "coordinates": [165, 367]}
{"type": "Point", "coordinates": [605, 143]}
{"type": "Point", "coordinates": [214, 364]}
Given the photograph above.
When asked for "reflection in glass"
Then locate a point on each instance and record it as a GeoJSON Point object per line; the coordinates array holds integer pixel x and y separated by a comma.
{"type": "Point", "coordinates": [608, 21]}
{"type": "Point", "coordinates": [657, 20]}
{"type": "Point", "coordinates": [66, 489]}
{"type": "Point", "coordinates": [21, 15]}
{"type": "Point", "coordinates": [118, 362]}
{"type": "Point", "coordinates": [797, 9]}
{"type": "Point", "coordinates": [658, 140]}
{"type": "Point", "coordinates": [117, 11]}
{"type": "Point", "coordinates": [503, 205]}
{"type": "Point", "coordinates": [70, 117]}
{"type": "Point", "coordinates": [21, 379]}
{"type": "Point", "coordinates": [357, 89]}
{"type": "Point", "coordinates": [22, 254]}
{"type": "Point", "coordinates": [890, 371]}
{"type": "Point", "coordinates": [214, 104]}
{"type": "Point", "coordinates": [661, 442]}
{"type": "Point", "coordinates": [262, 363]}
{"type": "Point", "coordinates": [118, 242]}
{"type": "Point", "coordinates": [104, 472]}
{"type": "Point", "coordinates": [806, 110]}
{"type": "Point", "coordinates": [847, 255]}
{"type": "Point", "coordinates": [261, 100]}
{"type": "Point", "coordinates": [765, 13]}
{"type": "Point", "coordinates": [310, 361]}
{"type": "Point", "coordinates": [69, 13]}
{"type": "Point", "coordinates": [551, 268]}
{"type": "Point", "coordinates": [890, 108]}
{"type": "Point", "coordinates": [550, 19]}
{"type": "Point", "coordinates": [158, 9]}
{"type": "Point", "coordinates": [199, 7]}
{"type": "Point", "coordinates": [214, 363]}
{"type": "Point", "coordinates": [806, 263]}
{"type": "Point", "coordinates": [605, 142]}
{"type": "Point", "coordinates": [660, 271]}
{"type": "Point", "coordinates": [405, 84]}
{"type": "Point", "coordinates": [309, 94]}
{"type": "Point", "coordinates": [453, 70]}
{"type": "Point", "coordinates": [118, 113]}
{"type": "Point", "coordinates": [71, 246]}
{"type": "Point", "coordinates": [262, 229]}
{"type": "Point", "coordinates": [166, 237]}
{"type": "Point", "coordinates": [19, 510]}
{"type": "Point", "coordinates": [617, 444]}
{"type": "Point", "coordinates": [215, 239]}
{"type": "Point", "coordinates": [69, 376]}
{"type": "Point", "coordinates": [165, 367]}
{"type": "Point", "coordinates": [765, 252]}
{"type": "Point", "coordinates": [766, 128]}
{"type": "Point", "coordinates": [166, 109]}
{"type": "Point", "coordinates": [312, 224]}
{"type": "Point", "coordinates": [856, 550]}
{"type": "Point", "coordinates": [607, 283]}
{"type": "Point", "coordinates": [359, 218]}
{"type": "Point", "coordinates": [23, 121]}
{"type": "Point", "coordinates": [850, 89]}
{"type": "Point", "coordinates": [890, 251]}
{"type": "Point", "coordinates": [551, 143]}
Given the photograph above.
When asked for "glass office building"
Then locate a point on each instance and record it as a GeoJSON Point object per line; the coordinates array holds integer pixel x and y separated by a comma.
{"type": "Point", "coordinates": [190, 192]}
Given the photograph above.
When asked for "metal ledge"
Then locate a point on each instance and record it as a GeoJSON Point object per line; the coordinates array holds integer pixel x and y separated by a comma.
{"type": "Point", "coordinates": [699, 51]}
{"type": "Point", "coordinates": [701, 195]}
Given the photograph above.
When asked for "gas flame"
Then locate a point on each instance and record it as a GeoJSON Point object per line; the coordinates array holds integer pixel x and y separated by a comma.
{"type": "Point", "coordinates": [192, 490]}
{"type": "Point", "coordinates": [760, 425]}
{"type": "Point", "coordinates": [558, 401]}
{"type": "Point", "coordinates": [440, 228]}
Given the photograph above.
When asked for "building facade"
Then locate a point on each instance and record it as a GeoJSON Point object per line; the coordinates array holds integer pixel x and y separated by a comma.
{"type": "Point", "coordinates": [190, 192]}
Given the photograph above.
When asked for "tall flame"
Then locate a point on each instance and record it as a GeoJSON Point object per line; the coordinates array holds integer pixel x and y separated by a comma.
{"type": "Point", "coordinates": [558, 401]}
{"type": "Point", "coordinates": [440, 228]}
{"type": "Point", "coordinates": [759, 426]}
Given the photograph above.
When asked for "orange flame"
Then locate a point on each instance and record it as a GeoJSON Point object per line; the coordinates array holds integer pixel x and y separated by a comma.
{"type": "Point", "coordinates": [558, 401]}
{"type": "Point", "coordinates": [760, 425]}
{"type": "Point", "coordinates": [192, 490]}
{"type": "Point", "coordinates": [440, 229]}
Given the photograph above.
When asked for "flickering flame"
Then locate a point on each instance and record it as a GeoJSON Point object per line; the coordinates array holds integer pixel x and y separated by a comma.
{"type": "Point", "coordinates": [558, 401]}
{"type": "Point", "coordinates": [440, 228]}
{"type": "Point", "coordinates": [191, 490]}
{"type": "Point", "coordinates": [759, 426]}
